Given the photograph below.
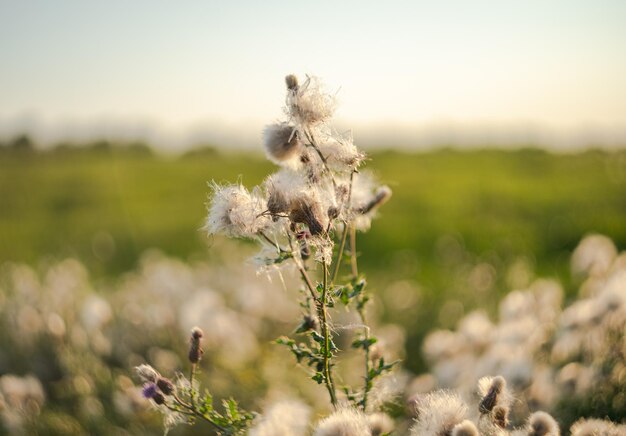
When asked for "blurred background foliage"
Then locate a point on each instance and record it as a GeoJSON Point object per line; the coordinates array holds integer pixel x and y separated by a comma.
{"type": "Point", "coordinates": [462, 229]}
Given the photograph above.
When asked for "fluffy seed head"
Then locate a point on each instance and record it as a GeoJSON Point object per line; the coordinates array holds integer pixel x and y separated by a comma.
{"type": "Point", "coordinates": [308, 105]}
{"type": "Point", "coordinates": [344, 422]}
{"type": "Point", "coordinates": [465, 428]}
{"type": "Point", "coordinates": [542, 424]}
{"type": "Point", "coordinates": [236, 212]}
{"type": "Point", "coordinates": [286, 418]}
{"type": "Point", "coordinates": [596, 427]}
{"type": "Point", "coordinates": [380, 423]}
{"type": "Point", "coordinates": [491, 394]}
{"type": "Point", "coordinates": [281, 142]}
{"type": "Point", "coordinates": [438, 413]}
{"type": "Point", "coordinates": [147, 373]}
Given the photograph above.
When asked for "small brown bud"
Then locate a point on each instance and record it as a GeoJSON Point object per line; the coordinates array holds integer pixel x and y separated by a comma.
{"type": "Point", "coordinates": [158, 398]}
{"type": "Point", "coordinates": [309, 322]}
{"type": "Point", "coordinates": [292, 82]}
{"type": "Point", "coordinates": [195, 351]}
{"type": "Point", "coordinates": [166, 386]}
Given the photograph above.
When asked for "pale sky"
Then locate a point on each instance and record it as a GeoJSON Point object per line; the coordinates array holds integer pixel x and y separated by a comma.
{"type": "Point", "coordinates": [196, 67]}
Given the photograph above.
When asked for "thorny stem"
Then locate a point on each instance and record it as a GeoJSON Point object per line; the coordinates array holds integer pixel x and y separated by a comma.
{"type": "Point", "coordinates": [303, 273]}
{"type": "Point", "coordinates": [192, 373]}
{"type": "Point", "coordinates": [326, 334]}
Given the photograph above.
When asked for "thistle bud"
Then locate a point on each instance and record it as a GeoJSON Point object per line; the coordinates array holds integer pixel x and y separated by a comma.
{"type": "Point", "coordinates": [292, 82]}
{"type": "Point", "coordinates": [165, 385]}
{"type": "Point", "coordinates": [158, 398]}
{"type": "Point", "coordinates": [195, 351]}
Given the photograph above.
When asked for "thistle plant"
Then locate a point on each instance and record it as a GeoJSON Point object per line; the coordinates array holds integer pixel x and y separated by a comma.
{"type": "Point", "coordinates": [306, 216]}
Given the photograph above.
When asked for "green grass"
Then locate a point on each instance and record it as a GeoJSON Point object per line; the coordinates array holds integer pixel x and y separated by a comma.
{"type": "Point", "coordinates": [497, 206]}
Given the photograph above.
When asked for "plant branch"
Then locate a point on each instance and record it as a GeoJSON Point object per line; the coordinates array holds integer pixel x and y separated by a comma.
{"type": "Point", "coordinates": [326, 334]}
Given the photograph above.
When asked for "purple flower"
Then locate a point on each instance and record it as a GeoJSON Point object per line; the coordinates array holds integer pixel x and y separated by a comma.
{"type": "Point", "coordinates": [149, 390]}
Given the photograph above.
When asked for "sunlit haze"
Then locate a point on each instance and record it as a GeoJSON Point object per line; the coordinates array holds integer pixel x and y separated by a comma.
{"type": "Point", "coordinates": [406, 73]}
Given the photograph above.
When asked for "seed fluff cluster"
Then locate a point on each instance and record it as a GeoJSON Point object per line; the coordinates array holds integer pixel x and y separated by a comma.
{"type": "Point", "coordinates": [317, 190]}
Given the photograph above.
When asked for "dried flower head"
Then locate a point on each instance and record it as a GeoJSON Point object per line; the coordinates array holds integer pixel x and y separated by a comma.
{"type": "Point", "coordinates": [380, 424]}
{"type": "Point", "coordinates": [236, 212]}
{"type": "Point", "coordinates": [281, 142]}
{"type": "Point", "coordinates": [146, 373]}
{"type": "Point", "coordinates": [344, 422]}
{"type": "Point", "coordinates": [308, 104]}
{"type": "Point", "coordinates": [465, 428]}
{"type": "Point", "coordinates": [596, 427]}
{"type": "Point", "coordinates": [490, 390]}
{"type": "Point", "coordinates": [438, 413]}
{"type": "Point", "coordinates": [542, 424]}
{"type": "Point", "coordinates": [286, 418]}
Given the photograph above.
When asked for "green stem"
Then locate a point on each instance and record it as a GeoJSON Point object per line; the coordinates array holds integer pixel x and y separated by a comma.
{"type": "Point", "coordinates": [192, 374]}
{"type": "Point", "coordinates": [328, 378]}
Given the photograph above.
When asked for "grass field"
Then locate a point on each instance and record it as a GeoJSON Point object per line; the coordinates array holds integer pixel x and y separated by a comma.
{"type": "Point", "coordinates": [456, 217]}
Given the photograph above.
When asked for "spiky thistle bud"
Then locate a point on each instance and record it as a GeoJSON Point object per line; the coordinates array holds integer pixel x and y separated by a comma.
{"type": "Point", "coordinates": [158, 398]}
{"type": "Point", "coordinates": [542, 424]}
{"type": "Point", "coordinates": [281, 142]}
{"type": "Point", "coordinates": [166, 386]}
{"type": "Point", "coordinates": [195, 351]}
{"type": "Point", "coordinates": [292, 82]}
{"type": "Point", "coordinates": [465, 428]}
{"type": "Point", "coordinates": [490, 400]}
